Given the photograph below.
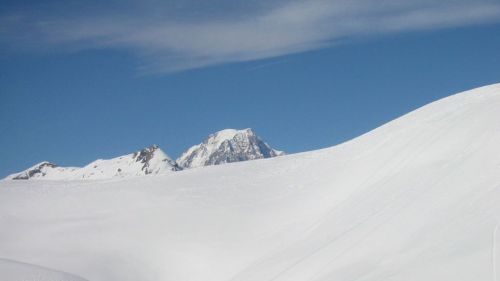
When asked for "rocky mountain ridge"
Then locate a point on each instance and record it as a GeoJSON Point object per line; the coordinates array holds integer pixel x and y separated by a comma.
{"type": "Point", "coordinates": [222, 147]}
{"type": "Point", "coordinates": [150, 160]}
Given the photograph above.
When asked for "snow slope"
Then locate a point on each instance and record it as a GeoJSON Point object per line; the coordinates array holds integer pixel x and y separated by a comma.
{"type": "Point", "coordinates": [416, 199]}
{"type": "Point", "coordinates": [12, 270]}
{"type": "Point", "coordinates": [150, 160]}
{"type": "Point", "coordinates": [227, 146]}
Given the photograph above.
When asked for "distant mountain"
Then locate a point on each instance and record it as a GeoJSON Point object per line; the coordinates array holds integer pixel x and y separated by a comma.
{"type": "Point", "coordinates": [150, 160]}
{"type": "Point", "coordinates": [41, 170]}
{"type": "Point", "coordinates": [227, 146]}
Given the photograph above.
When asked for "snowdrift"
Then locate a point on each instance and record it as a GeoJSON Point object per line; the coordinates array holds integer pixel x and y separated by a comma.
{"type": "Point", "coordinates": [416, 199]}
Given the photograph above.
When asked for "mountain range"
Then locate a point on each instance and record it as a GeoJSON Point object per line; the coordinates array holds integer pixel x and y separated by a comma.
{"type": "Point", "coordinates": [222, 147]}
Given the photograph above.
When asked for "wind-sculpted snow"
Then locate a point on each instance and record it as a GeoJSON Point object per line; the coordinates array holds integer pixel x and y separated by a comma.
{"type": "Point", "coordinates": [416, 199]}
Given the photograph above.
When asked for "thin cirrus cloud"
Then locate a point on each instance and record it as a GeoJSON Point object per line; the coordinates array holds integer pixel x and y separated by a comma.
{"type": "Point", "coordinates": [169, 43]}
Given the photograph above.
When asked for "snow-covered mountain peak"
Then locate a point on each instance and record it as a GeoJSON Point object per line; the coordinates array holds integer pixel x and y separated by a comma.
{"type": "Point", "coordinates": [37, 171]}
{"type": "Point", "coordinates": [226, 146]}
{"type": "Point", "coordinates": [150, 160]}
{"type": "Point", "coordinates": [228, 134]}
{"type": "Point", "coordinates": [154, 160]}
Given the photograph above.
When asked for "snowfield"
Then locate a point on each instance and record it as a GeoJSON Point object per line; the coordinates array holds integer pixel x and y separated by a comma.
{"type": "Point", "coordinates": [416, 199]}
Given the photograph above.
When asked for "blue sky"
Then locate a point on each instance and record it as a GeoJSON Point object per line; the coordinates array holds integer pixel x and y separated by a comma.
{"type": "Point", "coordinates": [102, 79]}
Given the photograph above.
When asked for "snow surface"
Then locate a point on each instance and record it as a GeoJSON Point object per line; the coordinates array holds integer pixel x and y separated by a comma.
{"type": "Point", "coordinates": [227, 146]}
{"type": "Point", "coordinates": [416, 199]}
{"type": "Point", "coordinates": [12, 270]}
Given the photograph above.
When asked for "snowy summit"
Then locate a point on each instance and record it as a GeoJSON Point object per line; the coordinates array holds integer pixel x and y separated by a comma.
{"type": "Point", "coordinates": [227, 146]}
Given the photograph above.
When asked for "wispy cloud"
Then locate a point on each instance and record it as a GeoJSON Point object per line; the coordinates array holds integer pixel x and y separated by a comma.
{"type": "Point", "coordinates": [169, 40]}
{"type": "Point", "coordinates": [267, 64]}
